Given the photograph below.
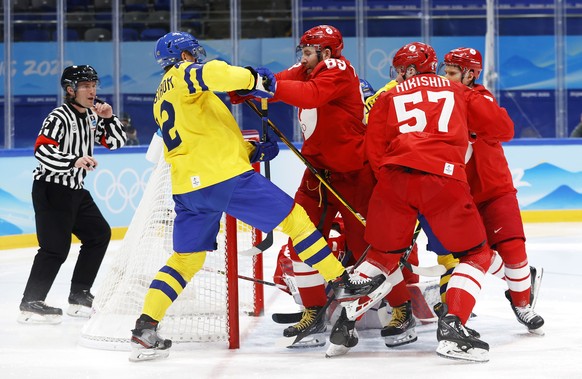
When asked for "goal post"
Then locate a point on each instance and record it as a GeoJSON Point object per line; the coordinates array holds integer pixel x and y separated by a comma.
{"type": "Point", "coordinates": [209, 308]}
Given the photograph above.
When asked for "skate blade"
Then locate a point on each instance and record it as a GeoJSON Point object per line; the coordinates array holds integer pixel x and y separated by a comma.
{"type": "Point", "coordinates": [336, 350]}
{"type": "Point", "coordinates": [312, 340]}
{"type": "Point", "coordinates": [401, 339]}
{"type": "Point", "coordinates": [354, 309]}
{"type": "Point", "coordinates": [538, 283]}
{"type": "Point", "coordinates": [142, 355]}
{"type": "Point", "coordinates": [285, 342]}
{"type": "Point", "coordinates": [76, 310]}
{"type": "Point", "coordinates": [538, 332]}
{"type": "Point", "coordinates": [35, 318]}
{"type": "Point", "coordinates": [450, 350]}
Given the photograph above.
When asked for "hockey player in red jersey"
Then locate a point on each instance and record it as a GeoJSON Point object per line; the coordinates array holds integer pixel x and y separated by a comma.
{"type": "Point", "coordinates": [418, 134]}
{"type": "Point", "coordinates": [326, 89]}
{"type": "Point", "coordinates": [400, 329]}
{"type": "Point", "coordinates": [495, 196]}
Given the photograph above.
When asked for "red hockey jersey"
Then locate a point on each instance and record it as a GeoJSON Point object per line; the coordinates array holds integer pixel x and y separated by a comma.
{"type": "Point", "coordinates": [424, 122]}
{"type": "Point", "coordinates": [487, 169]}
{"type": "Point", "coordinates": [331, 113]}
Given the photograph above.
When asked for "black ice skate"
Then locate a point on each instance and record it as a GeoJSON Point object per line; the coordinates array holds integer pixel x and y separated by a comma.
{"type": "Point", "coordinates": [80, 304]}
{"type": "Point", "coordinates": [358, 293]}
{"type": "Point", "coordinates": [400, 330]}
{"type": "Point", "coordinates": [38, 312]}
{"type": "Point", "coordinates": [527, 316]}
{"type": "Point", "coordinates": [439, 308]}
{"type": "Point", "coordinates": [455, 342]}
{"type": "Point", "coordinates": [311, 326]}
{"type": "Point", "coordinates": [343, 336]}
{"type": "Point", "coordinates": [146, 343]}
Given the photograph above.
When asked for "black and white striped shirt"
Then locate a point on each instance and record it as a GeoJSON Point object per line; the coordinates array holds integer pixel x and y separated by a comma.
{"type": "Point", "coordinates": [65, 136]}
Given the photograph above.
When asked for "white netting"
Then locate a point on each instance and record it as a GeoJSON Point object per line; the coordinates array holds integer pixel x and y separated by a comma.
{"type": "Point", "coordinates": [200, 312]}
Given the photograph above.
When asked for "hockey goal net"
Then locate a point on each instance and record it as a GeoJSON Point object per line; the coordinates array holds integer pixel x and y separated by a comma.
{"type": "Point", "coordinates": [208, 308]}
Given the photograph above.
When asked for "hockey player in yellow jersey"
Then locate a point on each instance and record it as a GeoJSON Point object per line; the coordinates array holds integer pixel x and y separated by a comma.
{"type": "Point", "coordinates": [211, 174]}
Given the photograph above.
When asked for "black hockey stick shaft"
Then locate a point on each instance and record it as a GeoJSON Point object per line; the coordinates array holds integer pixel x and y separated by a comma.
{"type": "Point", "coordinates": [243, 277]}
{"type": "Point", "coordinates": [404, 259]}
{"type": "Point", "coordinates": [425, 271]}
{"type": "Point", "coordinates": [287, 318]}
{"type": "Point", "coordinates": [268, 241]}
{"type": "Point", "coordinates": [307, 164]}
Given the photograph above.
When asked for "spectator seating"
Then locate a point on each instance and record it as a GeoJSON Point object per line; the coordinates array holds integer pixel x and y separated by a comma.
{"type": "Point", "coordinates": [97, 35]}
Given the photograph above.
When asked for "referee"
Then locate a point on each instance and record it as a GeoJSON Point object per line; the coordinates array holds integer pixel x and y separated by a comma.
{"type": "Point", "coordinates": [64, 149]}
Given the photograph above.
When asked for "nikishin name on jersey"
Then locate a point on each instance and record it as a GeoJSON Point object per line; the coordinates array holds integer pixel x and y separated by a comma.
{"type": "Point", "coordinates": [164, 87]}
{"type": "Point", "coordinates": [417, 81]}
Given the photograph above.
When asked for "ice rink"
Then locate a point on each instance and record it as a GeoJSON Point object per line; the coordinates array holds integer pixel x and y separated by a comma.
{"type": "Point", "coordinates": [44, 351]}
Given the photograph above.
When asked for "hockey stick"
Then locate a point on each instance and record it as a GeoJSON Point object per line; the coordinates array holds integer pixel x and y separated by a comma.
{"type": "Point", "coordinates": [424, 271]}
{"type": "Point", "coordinates": [307, 164]}
{"type": "Point", "coordinates": [268, 241]}
{"type": "Point", "coordinates": [254, 280]}
{"type": "Point", "coordinates": [287, 318]}
{"type": "Point", "coordinates": [433, 271]}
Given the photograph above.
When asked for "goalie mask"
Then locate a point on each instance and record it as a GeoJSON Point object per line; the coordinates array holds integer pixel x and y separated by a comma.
{"type": "Point", "coordinates": [416, 55]}
{"type": "Point", "coordinates": [322, 37]}
{"type": "Point", "coordinates": [169, 48]}
{"type": "Point", "coordinates": [466, 59]}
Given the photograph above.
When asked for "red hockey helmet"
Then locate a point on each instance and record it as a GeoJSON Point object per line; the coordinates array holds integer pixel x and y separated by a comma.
{"type": "Point", "coordinates": [466, 59]}
{"type": "Point", "coordinates": [417, 54]}
{"type": "Point", "coordinates": [323, 37]}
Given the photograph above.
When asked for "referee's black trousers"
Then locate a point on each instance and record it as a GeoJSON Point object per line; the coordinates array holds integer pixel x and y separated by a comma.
{"type": "Point", "coordinates": [60, 212]}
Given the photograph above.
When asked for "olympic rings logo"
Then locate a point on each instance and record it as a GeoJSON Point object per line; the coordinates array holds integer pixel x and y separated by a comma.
{"type": "Point", "coordinates": [380, 62]}
{"type": "Point", "coordinates": [119, 192]}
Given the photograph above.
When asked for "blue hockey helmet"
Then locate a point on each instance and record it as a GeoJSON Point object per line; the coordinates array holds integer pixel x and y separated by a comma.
{"type": "Point", "coordinates": [367, 89]}
{"type": "Point", "coordinates": [169, 48]}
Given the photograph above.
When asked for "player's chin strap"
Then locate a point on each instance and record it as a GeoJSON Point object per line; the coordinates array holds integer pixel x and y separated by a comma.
{"type": "Point", "coordinates": [73, 101]}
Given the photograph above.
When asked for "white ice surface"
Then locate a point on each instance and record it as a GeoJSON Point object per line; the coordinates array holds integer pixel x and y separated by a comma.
{"type": "Point", "coordinates": [42, 351]}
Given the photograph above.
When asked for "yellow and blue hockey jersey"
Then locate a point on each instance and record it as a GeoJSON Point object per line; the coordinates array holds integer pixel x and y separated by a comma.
{"type": "Point", "coordinates": [202, 141]}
